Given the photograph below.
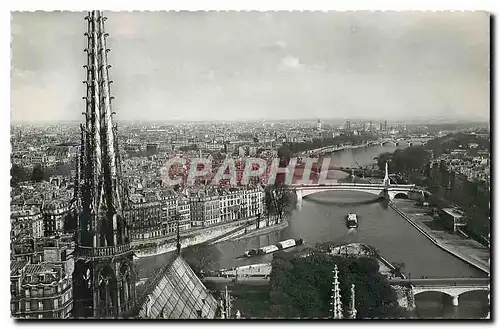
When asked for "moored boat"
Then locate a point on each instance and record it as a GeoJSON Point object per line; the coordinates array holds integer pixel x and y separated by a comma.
{"type": "Point", "coordinates": [352, 220]}
{"type": "Point", "coordinates": [250, 253]}
{"type": "Point", "coordinates": [267, 250]}
{"type": "Point", "coordinates": [282, 245]}
{"type": "Point", "coordinates": [286, 244]}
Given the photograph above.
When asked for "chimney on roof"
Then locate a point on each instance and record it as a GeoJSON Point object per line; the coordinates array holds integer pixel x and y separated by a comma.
{"type": "Point", "coordinates": [178, 237]}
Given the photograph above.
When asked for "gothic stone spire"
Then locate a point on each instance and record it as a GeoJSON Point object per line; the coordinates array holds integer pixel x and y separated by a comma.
{"type": "Point", "coordinates": [104, 279]}
{"type": "Point", "coordinates": [100, 186]}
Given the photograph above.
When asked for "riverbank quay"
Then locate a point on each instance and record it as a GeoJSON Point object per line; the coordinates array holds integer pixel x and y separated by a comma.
{"type": "Point", "coordinates": [263, 230]}
{"type": "Point", "coordinates": [230, 231]}
{"type": "Point", "coordinates": [250, 230]}
{"type": "Point", "coordinates": [246, 271]}
{"type": "Point", "coordinates": [468, 250]}
{"type": "Point", "coordinates": [232, 281]}
{"type": "Point", "coordinates": [158, 246]}
{"type": "Point", "coordinates": [386, 268]}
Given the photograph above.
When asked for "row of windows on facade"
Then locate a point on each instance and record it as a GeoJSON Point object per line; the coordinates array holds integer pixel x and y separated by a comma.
{"type": "Point", "coordinates": [42, 310]}
{"type": "Point", "coordinates": [59, 295]}
{"type": "Point", "coordinates": [196, 208]}
{"type": "Point", "coordinates": [37, 226]}
{"type": "Point", "coordinates": [52, 302]}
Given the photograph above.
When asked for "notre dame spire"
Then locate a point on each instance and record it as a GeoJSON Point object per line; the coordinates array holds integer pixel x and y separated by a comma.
{"type": "Point", "coordinates": [104, 281]}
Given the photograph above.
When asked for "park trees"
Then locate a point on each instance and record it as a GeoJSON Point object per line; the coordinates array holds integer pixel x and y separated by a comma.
{"type": "Point", "coordinates": [301, 286]}
{"type": "Point", "coordinates": [278, 200]}
{"type": "Point", "coordinates": [17, 174]}
{"type": "Point", "coordinates": [38, 174]}
{"type": "Point", "coordinates": [410, 159]}
{"type": "Point", "coordinates": [200, 257]}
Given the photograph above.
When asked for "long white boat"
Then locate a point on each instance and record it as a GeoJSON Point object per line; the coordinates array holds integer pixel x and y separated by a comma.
{"type": "Point", "coordinates": [282, 245]}
{"type": "Point", "coordinates": [286, 244]}
{"type": "Point", "coordinates": [267, 249]}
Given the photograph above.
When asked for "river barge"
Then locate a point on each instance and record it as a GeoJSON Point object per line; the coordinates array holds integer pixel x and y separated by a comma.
{"type": "Point", "coordinates": [282, 245]}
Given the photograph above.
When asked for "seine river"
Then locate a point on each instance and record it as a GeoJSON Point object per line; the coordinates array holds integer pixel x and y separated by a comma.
{"type": "Point", "coordinates": [321, 218]}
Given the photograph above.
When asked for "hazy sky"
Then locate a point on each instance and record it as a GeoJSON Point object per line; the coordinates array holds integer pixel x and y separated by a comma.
{"type": "Point", "coordinates": [255, 65]}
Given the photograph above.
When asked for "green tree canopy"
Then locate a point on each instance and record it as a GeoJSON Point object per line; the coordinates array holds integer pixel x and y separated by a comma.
{"type": "Point", "coordinates": [17, 174]}
{"type": "Point", "coordinates": [301, 286]}
{"type": "Point", "coordinates": [279, 200]}
{"type": "Point", "coordinates": [63, 169]}
{"type": "Point", "coordinates": [200, 256]}
{"type": "Point", "coordinates": [285, 153]}
{"type": "Point", "coordinates": [38, 174]}
{"type": "Point", "coordinates": [404, 160]}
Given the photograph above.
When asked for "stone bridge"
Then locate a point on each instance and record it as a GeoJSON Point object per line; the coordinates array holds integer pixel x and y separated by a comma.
{"type": "Point", "coordinates": [382, 141]}
{"type": "Point", "coordinates": [397, 141]}
{"type": "Point", "coordinates": [383, 190]}
{"type": "Point", "coordinates": [453, 287]}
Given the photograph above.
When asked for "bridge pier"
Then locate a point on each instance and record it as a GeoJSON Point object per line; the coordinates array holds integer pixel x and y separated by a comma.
{"type": "Point", "coordinates": [455, 300]}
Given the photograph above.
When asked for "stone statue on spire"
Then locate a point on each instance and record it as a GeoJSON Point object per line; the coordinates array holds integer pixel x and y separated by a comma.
{"type": "Point", "coordinates": [352, 310]}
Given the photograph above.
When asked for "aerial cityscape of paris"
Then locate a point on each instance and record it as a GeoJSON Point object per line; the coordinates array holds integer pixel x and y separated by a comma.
{"type": "Point", "coordinates": [250, 165]}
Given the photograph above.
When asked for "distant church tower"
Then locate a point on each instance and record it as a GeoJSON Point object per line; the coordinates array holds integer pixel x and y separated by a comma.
{"type": "Point", "coordinates": [104, 278]}
{"type": "Point", "coordinates": [318, 128]}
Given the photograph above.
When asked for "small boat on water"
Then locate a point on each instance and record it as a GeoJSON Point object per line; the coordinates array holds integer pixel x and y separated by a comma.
{"type": "Point", "coordinates": [282, 245]}
{"type": "Point", "coordinates": [352, 220]}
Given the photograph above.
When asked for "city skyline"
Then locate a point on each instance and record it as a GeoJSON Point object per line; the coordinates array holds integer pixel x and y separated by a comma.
{"type": "Point", "coordinates": [378, 64]}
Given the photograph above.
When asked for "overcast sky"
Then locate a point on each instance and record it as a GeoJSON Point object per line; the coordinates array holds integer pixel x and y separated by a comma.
{"type": "Point", "coordinates": [254, 65]}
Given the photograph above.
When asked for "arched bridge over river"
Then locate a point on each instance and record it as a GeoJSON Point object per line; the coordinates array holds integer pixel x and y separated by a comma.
{"type": "Point", "coordinates": [453, 287]}
{"type": "Point", "coordinates": [383, 190]}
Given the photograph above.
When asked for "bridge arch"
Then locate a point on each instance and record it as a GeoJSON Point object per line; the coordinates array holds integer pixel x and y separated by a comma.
{"type": "Point", "coordinates": [400, 195]}
{"type": "Point", "coordinates": [303, 193]}
{"type": "Point", "coordinates": [476, 289]}
{"type": "Point", "coordinates": [446, 295]}
{"type": "Point", "coordinates": [485, 293]}
{"type": "Point", "coordinates": [432, 291]}
{"type": "Point", "coordinates": [452, 291]}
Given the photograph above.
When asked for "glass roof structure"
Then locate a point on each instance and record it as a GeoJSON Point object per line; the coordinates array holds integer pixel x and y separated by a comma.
{"type": "Point", "coordinates": [177, 293]}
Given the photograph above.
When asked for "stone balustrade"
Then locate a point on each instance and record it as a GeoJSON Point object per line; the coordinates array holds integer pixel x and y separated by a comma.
{"type": "Point", "coordinates": [97, 252]}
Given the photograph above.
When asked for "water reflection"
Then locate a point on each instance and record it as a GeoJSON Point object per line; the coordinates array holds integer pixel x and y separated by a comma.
{"type": "Point", "coordinates": [431, 305]}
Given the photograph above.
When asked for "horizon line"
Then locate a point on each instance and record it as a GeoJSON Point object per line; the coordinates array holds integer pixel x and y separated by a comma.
{"type": "Point", "coordinates": [310, 119]}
